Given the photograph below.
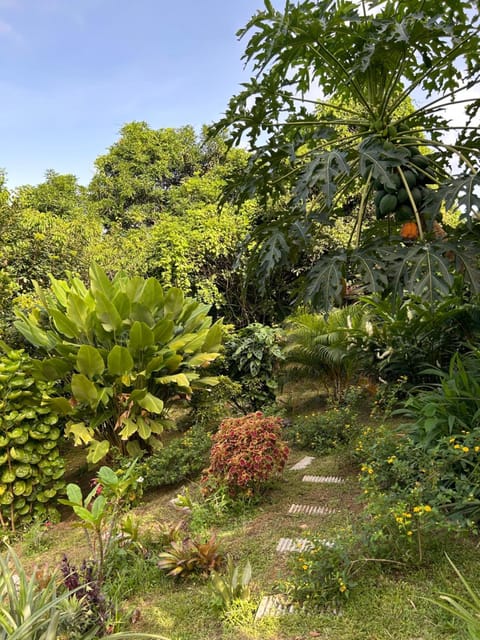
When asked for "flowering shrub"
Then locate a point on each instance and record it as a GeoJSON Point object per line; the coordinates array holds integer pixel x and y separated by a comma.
{"type": "Point", "coordinates": [323, 575]}
{"type": "Point", "coordinates": [246, 453]}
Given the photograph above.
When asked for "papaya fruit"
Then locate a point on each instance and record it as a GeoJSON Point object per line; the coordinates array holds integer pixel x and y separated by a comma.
{"type": "Point", "coordinates": [410, 178]}
{"type": "Point", "coordinates": [388, 204]}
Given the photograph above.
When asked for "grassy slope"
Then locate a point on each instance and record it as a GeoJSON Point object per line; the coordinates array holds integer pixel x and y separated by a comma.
{"type": "Point", "coordinates": [383, 606]}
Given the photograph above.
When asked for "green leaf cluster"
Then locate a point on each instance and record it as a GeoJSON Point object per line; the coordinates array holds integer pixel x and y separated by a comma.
{"type": "Point", "coordinates": [126, 349]}
{"type": "Point", "coordinates": [31, 468]}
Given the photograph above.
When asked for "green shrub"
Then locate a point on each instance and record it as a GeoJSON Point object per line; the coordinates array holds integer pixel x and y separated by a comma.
{"type": "Point", "coordinates": [324, 431]}
{"type": "Point", "coordinates": [251, 358]}
{"type": "Point", "coordinates": [181, 459]}
{"type": "Point", "coordinates": [325, 347]}
{"type": "Point", "coordinates": [407, 336]}
{"type": "Point", "coordinates": [323, 574]}
{"type": "Point", "coordinates": [247, 452]}
{"type": "Point", "coordinates": [127, 349]}
{"type": "Point", "coordinates": [209, 406]}
{"type": "Point", "coordinates": [31, 468]}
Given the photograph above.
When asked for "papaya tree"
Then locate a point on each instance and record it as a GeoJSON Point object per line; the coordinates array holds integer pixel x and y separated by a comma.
{"type": "Point", "coordinates": [125, 349]}
{"type": "Point", "coordinates": [323, 118]}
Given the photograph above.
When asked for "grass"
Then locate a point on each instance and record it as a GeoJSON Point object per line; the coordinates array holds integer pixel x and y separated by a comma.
{"type": "Point", "coordinates": [386, 603]}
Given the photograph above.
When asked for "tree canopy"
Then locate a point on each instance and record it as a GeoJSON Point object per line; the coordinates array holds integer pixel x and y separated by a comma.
{"type": "Point", "coordinates": [324, 68]}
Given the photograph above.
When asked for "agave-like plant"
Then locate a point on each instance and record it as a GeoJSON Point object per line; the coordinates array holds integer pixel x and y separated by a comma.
{"type": "Point", "coordinates": [323, 347]}
{"type": "Point", "coordinates": [328, 117]}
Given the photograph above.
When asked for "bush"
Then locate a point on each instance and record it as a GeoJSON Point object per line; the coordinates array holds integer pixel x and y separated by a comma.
{"type": "Point", "coordinates": [324, 431]}
{"type": "Point", "coordinates": [247, 452]}
{"type": "Point", "coordinates": [181, 459]}
{"type": "Point", "coordinates": [31, 468]}
{"type": "Point", "coordinates": [405, 337]}
{"type": "Point", "coordinates": [251, 357]}
{"type": "Point", "coordinates": [127, 350]}
{"type": "Point", "coordinates": [323, 574]}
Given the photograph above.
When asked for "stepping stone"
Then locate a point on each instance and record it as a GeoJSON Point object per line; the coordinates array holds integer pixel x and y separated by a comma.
{"type": "Point", "coordinates": [311, 510]}
{"type": "Point", "coordinates": [273, 606]}
{"type": "Point", "coordinates": [304, 462]}
{"type": "Point", "coordinates": [325, 479]}
{"type": "Point", "coordinates": [286, 545]}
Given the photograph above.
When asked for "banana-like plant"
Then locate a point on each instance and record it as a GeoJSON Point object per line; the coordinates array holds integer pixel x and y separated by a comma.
{"type": "Point", "coordinates": [125, 350]}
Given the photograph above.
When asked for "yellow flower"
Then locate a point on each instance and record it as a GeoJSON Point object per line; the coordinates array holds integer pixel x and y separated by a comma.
{"type": "Point", "coordinates": [343, 588]}
{"type": "Point", "coordinates": [457, 446]}
{"type": "Point", "coordinates": [477, 449]}
{"type": "Point", "coordinates": [465, 449]}
{"type": "Point", "coordinates": [427, 508]}
{"type": "Point", "coordinates": [409, 533]}
{"type": "Point", "coordinates": [452, 440]}
{"type": "Point", "coordinates": [417, 509]}
{"type": "Point", "coordinates": [305, 567]}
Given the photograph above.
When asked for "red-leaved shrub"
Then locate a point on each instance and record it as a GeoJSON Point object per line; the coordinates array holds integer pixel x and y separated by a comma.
{"type": "Point", "coordinates": [246, 453]}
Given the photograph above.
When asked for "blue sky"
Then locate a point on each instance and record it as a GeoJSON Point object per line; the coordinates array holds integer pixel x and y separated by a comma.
{"type": "Point", "coordinates": [74, 71]}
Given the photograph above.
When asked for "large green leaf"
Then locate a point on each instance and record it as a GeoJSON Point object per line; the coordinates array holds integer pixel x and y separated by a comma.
{"type": "Point", "coordinates": [90, 361]}
{"type": "Point", "coordinates": [63, 324]}
{"type": "Point", "coordinates": [84, 390]}
{"type": "Point", "coordinates": [77, 311]}
{"type": "Point", "coordinates": [119, 361]}
{"type": "Point", "coordinates": [152, 294]}
{"type": "Point", "coordinates": [151, 403]}
{"type": "Point", "coordinates": [141, 337]}
{"type": "Point", "coordinates": [163, 331]}
{"type": "Point", "coordinates": [97, 451]}
{"type": "Point", "coordinates": [129, 428]}
{"type": "Point", "coordinates": [180, 379]}
{"type": "Point", "coordinates": [213, 339]}
{"type": "Point", "coordinates": [107, 313]}
{"type": "Point", "coordinates": [99, 281]}
{"type": "Point", "coordinates": [173, 302]}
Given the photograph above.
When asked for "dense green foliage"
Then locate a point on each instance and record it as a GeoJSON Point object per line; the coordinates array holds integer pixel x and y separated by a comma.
{"type": "Point", "coordinates": [308, 155]}
{"type": "Point", "coordinates": [125, 350]}
{"type": "Point", "coordinates": [325, 347]}
{"type": "Point", "coordinates": [251, 359]}
{"type": "Point", "coordinates": [31, 468]}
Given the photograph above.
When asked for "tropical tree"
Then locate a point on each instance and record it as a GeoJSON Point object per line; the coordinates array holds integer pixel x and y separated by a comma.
{"type": "Point", "coordinates": [132, 180]}
{"type": "Point", "coordinates": [323, 118]}
{"type": "Point", "coordinates": [59, 194]}
{"type": "Point", "coordinates": [125, 350]}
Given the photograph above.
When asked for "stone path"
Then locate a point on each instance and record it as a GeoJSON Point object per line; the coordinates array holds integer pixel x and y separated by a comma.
{"type": "Point", "coordinates": [303, 463]}
{"type": "Point", "coordinates": [311, 510]}
{"type": "Point", "coordinates": [276, 605]}
{"type": "Point", "coordinates": [273, 606]}
{"type": "Point", "coordinates": [325, 479]}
